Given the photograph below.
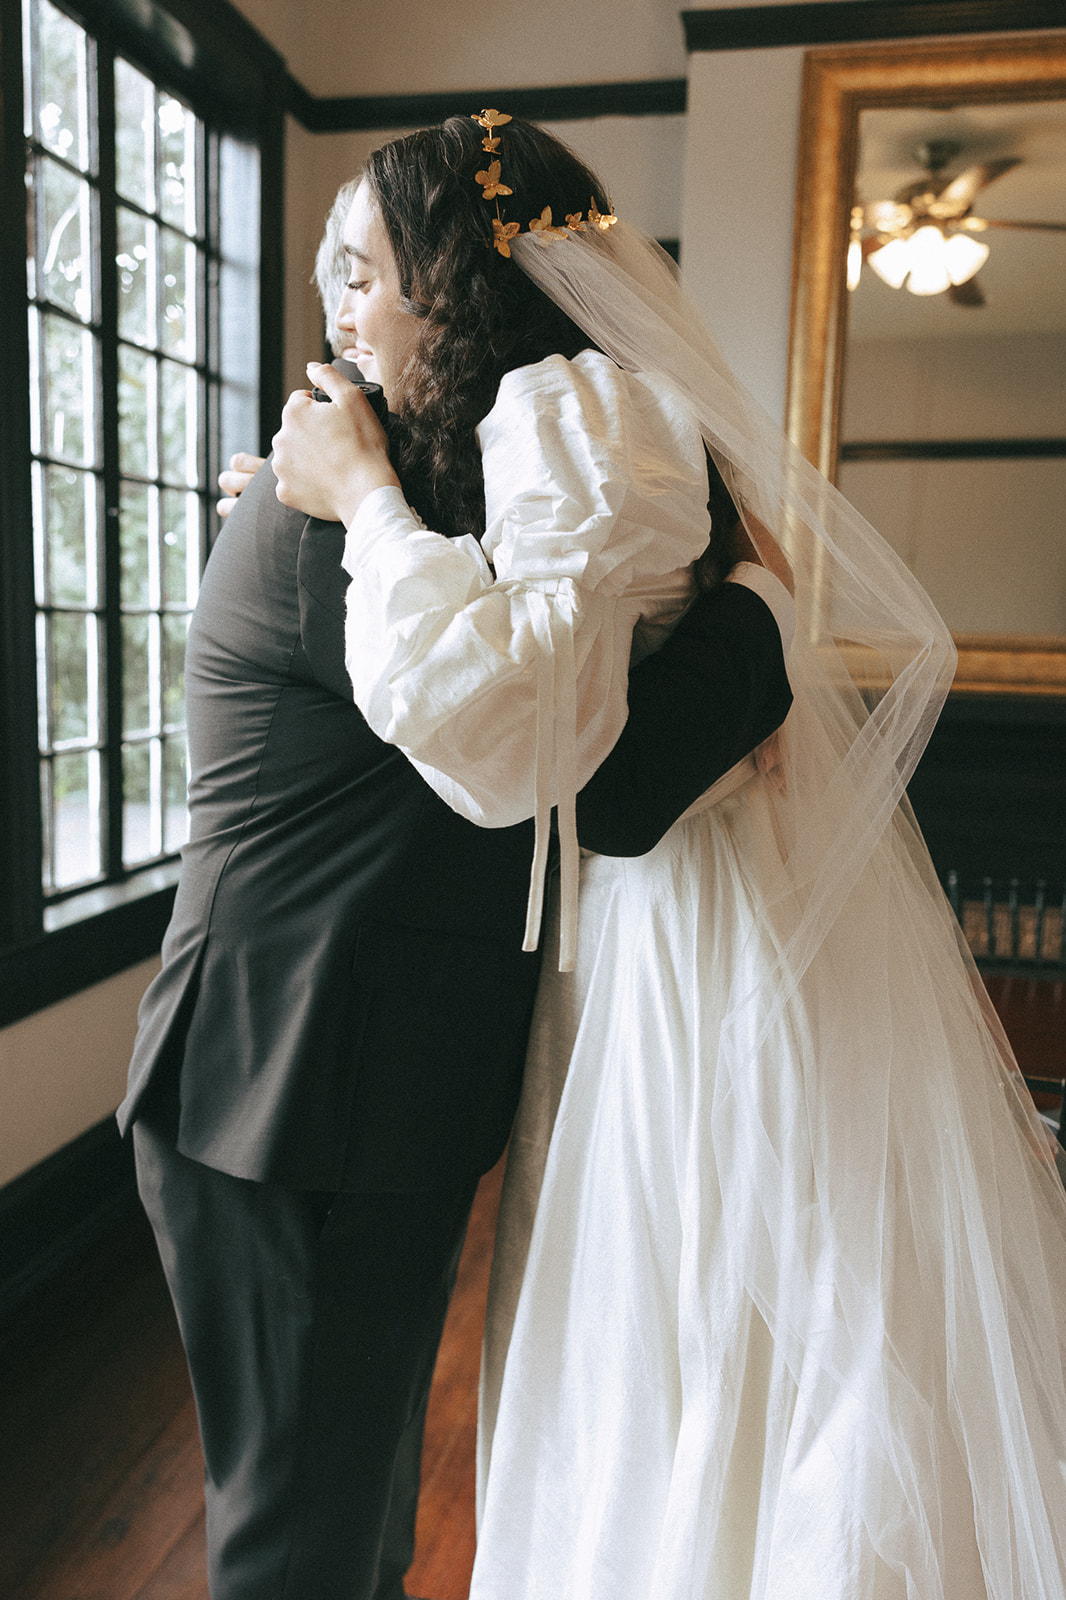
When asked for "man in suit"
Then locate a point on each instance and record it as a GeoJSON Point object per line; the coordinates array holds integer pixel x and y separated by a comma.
{"type": "Point", "coordinates": [332, 1052]}
{"type": "Point", "coordinates": [335, 1041]}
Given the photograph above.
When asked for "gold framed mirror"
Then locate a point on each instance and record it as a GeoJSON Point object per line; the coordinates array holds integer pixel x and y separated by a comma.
{"type": "Point", "coordinates": [967, 83]}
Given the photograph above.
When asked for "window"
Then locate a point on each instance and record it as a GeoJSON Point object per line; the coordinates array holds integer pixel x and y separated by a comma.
{"type": "Point", "coordinates": [139, 348]}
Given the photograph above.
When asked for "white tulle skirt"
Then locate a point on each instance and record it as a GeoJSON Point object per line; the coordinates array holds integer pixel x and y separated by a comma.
{"type": "Point", "coordinates": [781, 1309]}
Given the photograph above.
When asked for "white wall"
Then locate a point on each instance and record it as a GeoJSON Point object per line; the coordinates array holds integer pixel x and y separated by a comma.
{"type": "Point", "coordinates": [64, 1069]}
{"type": "Point", "coordinates": [340, 47]}
{"type": "Point", "coordinates": [736, 228]}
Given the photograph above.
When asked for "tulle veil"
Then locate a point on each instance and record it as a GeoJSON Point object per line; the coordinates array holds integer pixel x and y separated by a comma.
{"type": "Point", "coordinates": [943, 1137]}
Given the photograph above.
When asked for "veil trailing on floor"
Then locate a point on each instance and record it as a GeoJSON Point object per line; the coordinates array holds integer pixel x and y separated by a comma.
{"type": "Point", "coordinates": [926, 1197]}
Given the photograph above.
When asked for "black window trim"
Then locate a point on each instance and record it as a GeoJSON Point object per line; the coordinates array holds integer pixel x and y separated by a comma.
{"type": "Point", "coordinates": [208, 54]}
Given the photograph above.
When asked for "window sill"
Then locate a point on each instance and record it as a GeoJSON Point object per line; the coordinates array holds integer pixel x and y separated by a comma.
{"type": "Point", "coordinates": [92, 903]}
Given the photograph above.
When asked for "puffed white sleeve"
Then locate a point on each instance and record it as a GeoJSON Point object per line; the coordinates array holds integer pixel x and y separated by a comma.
{"type": "Point", "coordinates": [500, 666]}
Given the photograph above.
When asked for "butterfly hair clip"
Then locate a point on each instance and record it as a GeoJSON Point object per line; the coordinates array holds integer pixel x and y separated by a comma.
{"type": "Point", "coordinates": [543, 228]}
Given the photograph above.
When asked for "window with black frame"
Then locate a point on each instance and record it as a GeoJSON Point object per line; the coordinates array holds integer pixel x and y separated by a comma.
{"type": "Point", "coordinates": [142, 342]}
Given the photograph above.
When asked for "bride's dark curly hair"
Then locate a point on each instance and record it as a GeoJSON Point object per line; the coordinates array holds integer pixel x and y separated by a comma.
{"type": "Point", "coordinates": [481, 315]}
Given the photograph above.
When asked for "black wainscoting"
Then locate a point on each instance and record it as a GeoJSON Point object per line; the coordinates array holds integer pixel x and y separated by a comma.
{"type": "Point", "coordinates": [990, 790]}
{"type": "Point", "coordinates": [54, 1213]}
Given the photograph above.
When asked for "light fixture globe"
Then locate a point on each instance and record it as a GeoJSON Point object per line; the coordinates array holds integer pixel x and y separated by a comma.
{"type": "Point", "coordinates": [928, 260]}
{"type": "Point", "coordinates": [927, 269]}
{"type": "Point", "coordinates": [965, 256]}
{"type": "Point", "coordinates": [891, 262]}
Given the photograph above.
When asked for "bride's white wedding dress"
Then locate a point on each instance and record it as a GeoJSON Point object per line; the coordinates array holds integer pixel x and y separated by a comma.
{"type": "Point", "coordinates": [644, 1434]}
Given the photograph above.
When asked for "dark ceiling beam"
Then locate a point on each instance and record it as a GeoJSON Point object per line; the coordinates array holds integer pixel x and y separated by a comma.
{"type": "Point", "coordinates": [558, 103]}
{"type": "Point", "coordinates": [862, 21]}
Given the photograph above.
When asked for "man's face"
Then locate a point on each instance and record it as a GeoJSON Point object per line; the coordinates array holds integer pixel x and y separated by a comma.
{"type": "Point", "coordinates": [377, 332]}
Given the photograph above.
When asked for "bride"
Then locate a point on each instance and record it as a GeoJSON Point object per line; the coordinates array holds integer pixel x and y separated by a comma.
{"type": "Point", "coordinates": [779, 1306]}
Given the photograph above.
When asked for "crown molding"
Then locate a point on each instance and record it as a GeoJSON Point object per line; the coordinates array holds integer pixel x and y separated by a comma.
{"type": "Point", "coordinates": [656, 97]}
{"type": "Point", "coordinates": [857, 21]}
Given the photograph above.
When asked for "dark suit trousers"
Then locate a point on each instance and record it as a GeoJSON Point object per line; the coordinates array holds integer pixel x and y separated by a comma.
{"type": "Point", "coordinates": [311, 1323]}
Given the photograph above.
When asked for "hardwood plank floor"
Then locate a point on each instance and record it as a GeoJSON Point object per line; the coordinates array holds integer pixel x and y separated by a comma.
{"type": "Point", "coordinates": [444, 1550]}
{"type": "Point", "coordinates": [101, 1477]}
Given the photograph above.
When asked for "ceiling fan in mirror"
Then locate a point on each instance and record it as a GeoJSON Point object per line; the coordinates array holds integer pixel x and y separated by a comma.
{"type": "Point", "coordinates": [926, 238]}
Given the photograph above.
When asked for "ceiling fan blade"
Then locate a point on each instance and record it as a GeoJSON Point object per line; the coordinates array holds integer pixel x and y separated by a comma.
{"type": "Point", "coordinates": [912, 190]}
{"type": "Point", "coordinates": [969, 294]}
{"type": "Point", "coordinates": [956, 197]}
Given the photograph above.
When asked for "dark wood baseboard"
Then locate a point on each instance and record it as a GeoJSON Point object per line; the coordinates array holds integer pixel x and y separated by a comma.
{"type": "Point", "coordinates": [58, 1209]}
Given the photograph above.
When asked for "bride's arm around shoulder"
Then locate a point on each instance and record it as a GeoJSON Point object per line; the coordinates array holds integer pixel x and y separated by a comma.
{"type": "Point", "coordinates": [458, 650]}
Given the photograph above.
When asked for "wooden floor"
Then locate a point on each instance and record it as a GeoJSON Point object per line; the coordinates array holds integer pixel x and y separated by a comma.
{"type": "Point", "coordinates": [101, 1476]}
{"type": "Point", "coordinates": [100, 1469]}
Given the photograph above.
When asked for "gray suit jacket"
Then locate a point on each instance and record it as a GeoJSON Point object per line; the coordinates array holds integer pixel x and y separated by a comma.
{"type": "Point", "coordinates": [343, 1002]}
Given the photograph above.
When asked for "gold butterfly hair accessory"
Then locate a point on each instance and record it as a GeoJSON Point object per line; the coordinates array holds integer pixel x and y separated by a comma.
{"type": "Point", "coordinates": [542, 228]}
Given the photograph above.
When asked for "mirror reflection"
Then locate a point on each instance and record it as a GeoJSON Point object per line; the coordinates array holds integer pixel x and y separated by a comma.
{"type": "Point", "coordinates": [952, 427]}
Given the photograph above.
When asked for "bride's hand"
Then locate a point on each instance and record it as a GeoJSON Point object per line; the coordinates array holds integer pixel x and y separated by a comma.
{"type": "Point", "coordinates": [235, 479]}
{"type": "Point", "coordinates": [328, 458]}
